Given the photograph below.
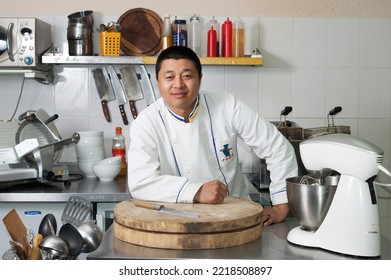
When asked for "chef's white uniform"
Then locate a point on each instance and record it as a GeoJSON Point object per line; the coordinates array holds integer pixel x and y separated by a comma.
{"type": "Point", "coordinates": [169, 160]}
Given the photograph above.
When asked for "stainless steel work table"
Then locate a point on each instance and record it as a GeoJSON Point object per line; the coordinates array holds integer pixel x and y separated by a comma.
{"type": "Point", "coordinates": [273, 245]}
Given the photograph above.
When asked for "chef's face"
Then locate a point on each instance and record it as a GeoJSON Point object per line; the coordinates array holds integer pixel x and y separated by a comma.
{"type": "Point", "coordinates": [179, 84]}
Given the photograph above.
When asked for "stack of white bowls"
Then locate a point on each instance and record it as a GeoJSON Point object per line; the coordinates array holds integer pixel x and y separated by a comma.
{"type": "Point", "coordinates": [89, 150]}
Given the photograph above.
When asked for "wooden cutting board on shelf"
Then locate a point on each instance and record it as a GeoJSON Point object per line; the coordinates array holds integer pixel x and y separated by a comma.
{"type": "Point", "coordinates": [234, 222]}
{"type": "Point", "coordinates": [141, 30]}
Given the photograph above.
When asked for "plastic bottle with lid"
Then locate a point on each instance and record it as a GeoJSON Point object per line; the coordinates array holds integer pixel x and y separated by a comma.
{"type": "Point", "coordinates": [238, 38]}
{"type": "Point", "coordinates": [216, 27]}
{"type": "Point", "coordinates": [166, 33]}
{"type": "Point", "coordinates": [195, 35]}
{"type": "Point", "coordinates": [226, 38]}
{"type": "Point", "coordinates": [119, 148]}
{"type": "Point", "coordinates": [212, 42]}
{"type": "Point", "coordinates": [179, 33]}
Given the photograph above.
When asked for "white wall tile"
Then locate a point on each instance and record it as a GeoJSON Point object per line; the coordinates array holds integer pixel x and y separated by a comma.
{"type": "Point", "coordinates": [342, 42]}
{"type": "Point", "coordinates": [375, 42]}
{"type": "Point", "coordinates": [309, 42]}
{"type": "Point", "coordinates": [276, 41]}
{"type": "Point", "coordinates": [374, 93]}
{"type": "Point", "coordinates": [342, 90]}
{"type": "Point", "coordinates": [309, 92]}
{"type": "Point", "coordinates": [275, 91]}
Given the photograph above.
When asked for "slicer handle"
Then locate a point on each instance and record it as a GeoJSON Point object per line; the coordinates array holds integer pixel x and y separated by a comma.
{"type": "Point", "coordinates": [147, 204]}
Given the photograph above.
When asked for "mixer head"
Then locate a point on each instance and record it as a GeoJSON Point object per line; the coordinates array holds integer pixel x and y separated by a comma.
{"type": "Point", "coordinates": [344, 153]}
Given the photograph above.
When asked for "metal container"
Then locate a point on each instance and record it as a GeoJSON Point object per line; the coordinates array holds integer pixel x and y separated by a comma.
{"type": "Point", "coordinates": [80, 47]}
{"type": "Point", "coordinates": [85, 17]}
{"type": "Point", "coordinates": [309, 201]}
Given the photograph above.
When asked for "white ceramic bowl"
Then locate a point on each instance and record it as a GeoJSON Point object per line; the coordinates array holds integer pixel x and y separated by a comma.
{"type": "Point", "coordinates": [88, 154]}
{"type": "Point", "coordinates": [86, 168]}
{"type": "Point", "coordinates": [107, 169]}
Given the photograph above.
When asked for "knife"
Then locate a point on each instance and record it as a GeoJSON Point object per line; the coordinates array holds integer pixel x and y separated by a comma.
{"type": "Point", "coordinates": [132, 87]}
{"type": "Point", "coordinates": [162, 209]}
{"type": "Point", "coordinates": [146, 84]}
{"type": "Point", "coordinates": [104, 91]}
{"type": "Point", "coordinates": [119, 93]}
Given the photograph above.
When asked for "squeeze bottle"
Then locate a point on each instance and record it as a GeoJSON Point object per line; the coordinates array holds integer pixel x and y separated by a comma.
{"type": "Point", "coordinates": [226, 38]}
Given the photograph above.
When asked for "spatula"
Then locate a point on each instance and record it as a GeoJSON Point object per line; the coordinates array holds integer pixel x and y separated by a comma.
{"type": "Point", "coordinates": [17, 230]}
{"type": "Point", "coordinates": [76, 211]}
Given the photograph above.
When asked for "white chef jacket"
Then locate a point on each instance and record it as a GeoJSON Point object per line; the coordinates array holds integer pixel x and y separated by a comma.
{"type": "Point", "coordinates": [169, 160]}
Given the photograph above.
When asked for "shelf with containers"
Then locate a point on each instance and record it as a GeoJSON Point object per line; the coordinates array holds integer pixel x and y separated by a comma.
{"type": "Point", "coordinates": [50, 58]}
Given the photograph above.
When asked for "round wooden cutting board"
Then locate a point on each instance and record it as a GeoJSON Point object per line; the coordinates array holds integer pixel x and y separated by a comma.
{"type": "Point", "coordinates": [234, 222]}
{"type": "Point", "coordinates": [141, 30]}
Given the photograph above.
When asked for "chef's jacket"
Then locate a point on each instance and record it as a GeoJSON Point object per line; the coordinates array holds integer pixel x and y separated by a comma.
{"type": "Point", "coordinates": [169, 159]}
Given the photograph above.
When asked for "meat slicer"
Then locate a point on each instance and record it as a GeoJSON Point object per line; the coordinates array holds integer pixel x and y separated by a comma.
{"type": "Point", "coordinates": [37, 147]}
{"type": "Point", "coordinates": [351, 225]}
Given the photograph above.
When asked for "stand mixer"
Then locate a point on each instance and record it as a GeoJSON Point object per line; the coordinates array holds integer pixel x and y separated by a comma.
{"type": "Point", "coordinates": [351, 225]}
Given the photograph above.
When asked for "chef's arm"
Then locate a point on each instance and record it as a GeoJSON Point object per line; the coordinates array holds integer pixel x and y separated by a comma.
{"type": "Point", "coordinates": [275, 214]}
{"type": "Point", "coordinates": [211, 192]}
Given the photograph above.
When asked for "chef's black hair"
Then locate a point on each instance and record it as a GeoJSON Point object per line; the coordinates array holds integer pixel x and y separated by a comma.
{"type": "Point", "coordinates": [178, 52]}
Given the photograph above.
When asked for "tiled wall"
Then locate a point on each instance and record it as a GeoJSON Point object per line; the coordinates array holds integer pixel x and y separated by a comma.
{"type": "Point", "coordinates": [311, 64]}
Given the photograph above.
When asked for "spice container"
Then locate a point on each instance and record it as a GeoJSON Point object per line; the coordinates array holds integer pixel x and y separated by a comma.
{"type": "Point", "coordinates": [226, 38]}
{"type": "Point", "coordinates": [119, 148]}
{"type": "Point", "coordinates": [179, 33]}
{"type": "Point", "coordinates": [216, 27]}
{"type": "Point", "coordinates": [195, 35]}
{"type": "Point", "coordinates": [238, 38]}
{"type": "Point", "coordinates": [167, 33]}
{"type": "Point", "coordinates": [212, 43]}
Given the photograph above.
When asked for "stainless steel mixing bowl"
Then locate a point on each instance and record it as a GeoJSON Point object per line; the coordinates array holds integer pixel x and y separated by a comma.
{"type": "Point", "coordinates": [310, 202]}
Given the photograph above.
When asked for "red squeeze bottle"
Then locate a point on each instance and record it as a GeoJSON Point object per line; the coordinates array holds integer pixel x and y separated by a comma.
{"type": "Point", "coordinates": [226, 44]}
{"type": "Point", "coordinates": [212, 42]}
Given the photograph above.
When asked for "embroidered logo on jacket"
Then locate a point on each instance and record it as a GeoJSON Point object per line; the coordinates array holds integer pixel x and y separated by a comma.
{"type": "Point", "coordinates": [226, 150]}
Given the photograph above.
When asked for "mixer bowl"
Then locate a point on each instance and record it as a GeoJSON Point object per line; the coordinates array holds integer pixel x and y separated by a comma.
{"type": "Point", "coordinates": [308, 202]}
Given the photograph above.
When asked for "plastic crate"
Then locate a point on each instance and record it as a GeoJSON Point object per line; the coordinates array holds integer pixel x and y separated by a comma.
{"type": "Point", "coordinates": [110, 43]}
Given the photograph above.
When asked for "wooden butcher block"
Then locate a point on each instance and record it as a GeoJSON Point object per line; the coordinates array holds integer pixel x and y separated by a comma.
{"type": "Point", "coordinates": [234, 222]}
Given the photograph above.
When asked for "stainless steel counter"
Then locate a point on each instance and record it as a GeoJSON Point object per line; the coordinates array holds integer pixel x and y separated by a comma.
{"type": "Point", "coordinates": [273, 245]}
{"type": "Point", "coordinates": [90, 188]}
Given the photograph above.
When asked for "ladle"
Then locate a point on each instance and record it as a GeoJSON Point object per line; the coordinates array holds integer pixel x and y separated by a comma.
{"type": "Point", "coordinates": [48, 225]}
{"type": "Point", "coordinates": [72, 236]}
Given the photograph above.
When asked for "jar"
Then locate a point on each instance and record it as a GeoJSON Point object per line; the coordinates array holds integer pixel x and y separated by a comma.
{"type": "Point", "coordinates": [179, 34]}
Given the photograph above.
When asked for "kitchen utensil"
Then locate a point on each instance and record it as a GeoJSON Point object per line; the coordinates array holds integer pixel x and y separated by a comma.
{"type": "Point", "coordinates": [146, 84]}
{"type": "Point", "coordinates": [10, 254]}
{"type": "Point", "coordinates": [48, 225]}
{"type": "Point", "coordinates": [72, 236]}
{"type": "Point", "coordinates": [286, 128]}
{"type": "Point", "coordinates": [309, 201]}
{"type": "Point", "coordinates": [331, 127]}
{"type": "Point", "coordinates": [132, 87]}
{"type": "Point", "coordinates": [104, 90]}
{"type": "Point", "coordinates": [234, 222]}
{"type": "Point", "coordinates": [35, 251]}
{"type": "Point", "coordinates": [119, 93]}
{"type": "Point", "coordinates": [55, 247]}
{"type": "Point", "coordinates": [17, 230]}
{"type": "Point", "coordinates": [92, 236]}
{"type": "Point", "coordinates": [32, 125]}
{"type": "Point", "coordinates": [351, 225]}
{"type": "Point", "coordinates": [76, 211]}
{"type": "Point", "coordinates": [19, 249]}
{"type": "Point", "coordinates": [141, 30]}
{"type": "Point", "coordinates": [162, 209]}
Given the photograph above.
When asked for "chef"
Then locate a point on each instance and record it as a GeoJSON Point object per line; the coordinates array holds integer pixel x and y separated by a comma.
{"type": "Point", "coordinates": [183, 148]}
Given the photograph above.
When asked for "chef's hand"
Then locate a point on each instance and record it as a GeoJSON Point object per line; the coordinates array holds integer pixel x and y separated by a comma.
{"type": "Point", "coordinates": [275, 214]}
{"type": "Point", "coordinates": [211, 192]}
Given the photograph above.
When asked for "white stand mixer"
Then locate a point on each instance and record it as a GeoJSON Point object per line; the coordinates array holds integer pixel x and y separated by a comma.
{"type": "Point", "coordinates": [351, 225]}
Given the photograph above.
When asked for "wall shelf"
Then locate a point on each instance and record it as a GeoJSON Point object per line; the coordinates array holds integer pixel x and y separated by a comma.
{"type": "Point", "coordinates": [50, 58]}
